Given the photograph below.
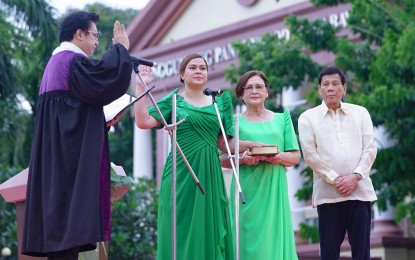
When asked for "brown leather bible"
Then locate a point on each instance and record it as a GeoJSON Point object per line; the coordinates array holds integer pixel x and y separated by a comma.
{"type": "Point", "coordinates": [265, 150]}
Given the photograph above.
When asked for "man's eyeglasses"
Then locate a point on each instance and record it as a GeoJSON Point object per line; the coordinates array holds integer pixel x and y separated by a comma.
{"type": "Point", "coordinates": [250, 88]}
{"type": "Point", "coordinates": [95, 34]}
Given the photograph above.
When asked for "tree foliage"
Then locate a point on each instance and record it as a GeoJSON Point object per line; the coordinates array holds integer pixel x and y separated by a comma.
{"type": "Point", "coordinates": [279, 59]}
{"type": "Point", "coordinates": [389, 93]}
{"type": "Point", "coordinates": [121, 143]}
{"type": "Point", "coordinates": [380, 66]}
{"type": "Point", "coordinates": [134, 223]}
{"type": "Point", "coordinates": [27, 33]}
{"type": "Point", "coordinates": [8, 225]}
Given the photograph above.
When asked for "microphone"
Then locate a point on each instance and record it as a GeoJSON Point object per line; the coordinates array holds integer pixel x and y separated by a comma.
{"type": "Point", "coordinates": [137, 61]}
{"type": "Point", "coordinates": [212, 92]}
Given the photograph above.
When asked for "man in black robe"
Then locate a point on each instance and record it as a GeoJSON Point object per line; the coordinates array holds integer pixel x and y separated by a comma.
{"type": "Point", "coordinates": [68, 190]}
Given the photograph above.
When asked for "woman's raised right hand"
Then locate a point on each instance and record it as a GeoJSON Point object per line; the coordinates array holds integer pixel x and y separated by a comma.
{"type": "Point", "coordinates": [147, 76]}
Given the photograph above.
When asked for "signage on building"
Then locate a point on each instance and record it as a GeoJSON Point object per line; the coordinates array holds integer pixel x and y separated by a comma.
{"type": "Point", "coordinates": [226, 52]}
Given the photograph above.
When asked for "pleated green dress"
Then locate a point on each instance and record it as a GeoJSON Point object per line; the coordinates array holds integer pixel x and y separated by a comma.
{"type": "Point", "coordinates": [203, 221]}
{"type": "Point", "coordinates": [266, 230]}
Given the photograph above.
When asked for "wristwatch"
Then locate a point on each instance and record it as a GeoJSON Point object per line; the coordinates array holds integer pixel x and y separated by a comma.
{"type": "Point", "coordinates": [358, 175]}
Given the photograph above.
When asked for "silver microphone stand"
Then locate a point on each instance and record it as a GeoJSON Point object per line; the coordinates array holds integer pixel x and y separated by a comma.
{"type": "Point", "coordinates": [173, 178]}
{"type": "Point", "coordinates": [236, 158]}
{"type": "Point", "coordinates": [241, 195]}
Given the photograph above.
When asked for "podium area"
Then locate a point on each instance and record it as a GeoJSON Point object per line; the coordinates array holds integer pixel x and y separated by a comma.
{"type": "Point", "coordinates": [14, 191]}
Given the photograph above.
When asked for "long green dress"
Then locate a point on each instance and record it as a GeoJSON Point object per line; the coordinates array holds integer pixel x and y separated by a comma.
{"type": "Point", "coordinates": [266, 230]}
{"type": "Point", "coordinates": [203, 221]}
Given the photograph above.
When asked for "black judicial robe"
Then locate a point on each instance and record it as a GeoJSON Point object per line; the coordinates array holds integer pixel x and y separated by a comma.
{"type": "Point", "coordinates": [68, 191]}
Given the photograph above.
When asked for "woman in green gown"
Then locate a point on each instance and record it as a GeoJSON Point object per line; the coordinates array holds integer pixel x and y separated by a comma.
{"type": "Point", "coordinates": [203, 223]}
{"type": "Point", "coordinates": [265, 224]}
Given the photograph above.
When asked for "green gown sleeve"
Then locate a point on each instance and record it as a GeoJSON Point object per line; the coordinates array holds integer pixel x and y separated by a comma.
{"type": "Point", "coordinates": [290, 138]}
{"type": "Point", "coordinates": [165, 106]}
{"type": "Point", "coordinates": [227, 114]}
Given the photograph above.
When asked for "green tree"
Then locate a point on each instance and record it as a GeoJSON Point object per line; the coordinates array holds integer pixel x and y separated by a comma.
{"type": "Point", "coordinates": [8, 226]}
{"type": "Point", "coordinates": [134, 223]}
{"type": "Point", "coordinates": [381, 74]}
{"type": "Point", "coordinates": [27, 35]}
{"type": "Point", "coordinates": [282, 61]}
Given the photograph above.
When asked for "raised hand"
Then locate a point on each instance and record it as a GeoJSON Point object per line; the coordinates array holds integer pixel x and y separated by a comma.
{"type": "Point", "coordinates": [146, 73]}
{"type": "Point", "coordinates": [120, 35]}
{"type": "Point", "coordinates": [147, 76]}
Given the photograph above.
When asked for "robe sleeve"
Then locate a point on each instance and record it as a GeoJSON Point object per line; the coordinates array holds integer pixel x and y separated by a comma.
{"type": "Point", "coordinates": [99, 82]}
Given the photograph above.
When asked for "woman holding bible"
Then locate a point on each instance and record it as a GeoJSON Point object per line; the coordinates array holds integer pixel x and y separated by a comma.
{"type": "Point", "coordinates": [265, 228]}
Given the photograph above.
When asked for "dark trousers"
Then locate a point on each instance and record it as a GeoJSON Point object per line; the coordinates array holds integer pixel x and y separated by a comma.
{"type": "Point", "coordinates": [69, 254]}
{"type": "Point", "coordinates": [335, 219]}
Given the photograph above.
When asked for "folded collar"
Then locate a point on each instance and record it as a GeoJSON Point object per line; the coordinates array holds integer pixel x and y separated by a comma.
{"type": "Point", "coordinates": [68, 46]}
{"type": "Point", "coordinates": [325, 109]}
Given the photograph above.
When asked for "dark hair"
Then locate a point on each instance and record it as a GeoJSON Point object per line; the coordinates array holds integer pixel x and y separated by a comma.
{"type": "Point", "coordinates": [186, 61]}
{"type": "Point", "coordinates": [331, 71]}
{"type": "Point", "coordinates": [73, 22]}
{"type": "Point", "coordinates": [239, 90]}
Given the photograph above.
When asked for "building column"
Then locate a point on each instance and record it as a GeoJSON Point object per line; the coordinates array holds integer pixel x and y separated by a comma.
{"type": "Point", "coordinates": [295, 182]}
{"type": "Point", "coordinates": [291, 98]}
{"type": "Point", "coordinates": [383, 222]}
{"type": "Point", "coordinates": [142, 154]}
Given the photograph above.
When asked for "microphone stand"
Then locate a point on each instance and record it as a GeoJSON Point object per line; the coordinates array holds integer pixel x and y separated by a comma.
{"type": "Point", "coordinates": [169, 130]}
{"type": "Point", "coordinates": [236, 216]}
{"type": "Point", "coordinates": [173, 179]}
{"type": "Point", "coordinates": [241, 195]}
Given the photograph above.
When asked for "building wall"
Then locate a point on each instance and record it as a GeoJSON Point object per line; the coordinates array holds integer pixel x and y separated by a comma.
{"type": "Point", "coordinates": [203, 16]}
{"type": "Point", "coordinates": [215, 44]}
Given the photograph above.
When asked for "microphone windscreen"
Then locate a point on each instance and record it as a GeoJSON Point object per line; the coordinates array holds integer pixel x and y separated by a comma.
{"type": "Point", "coordinates": [206, 91]}
{"type": "Point", "coordinates": [212, 92]}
